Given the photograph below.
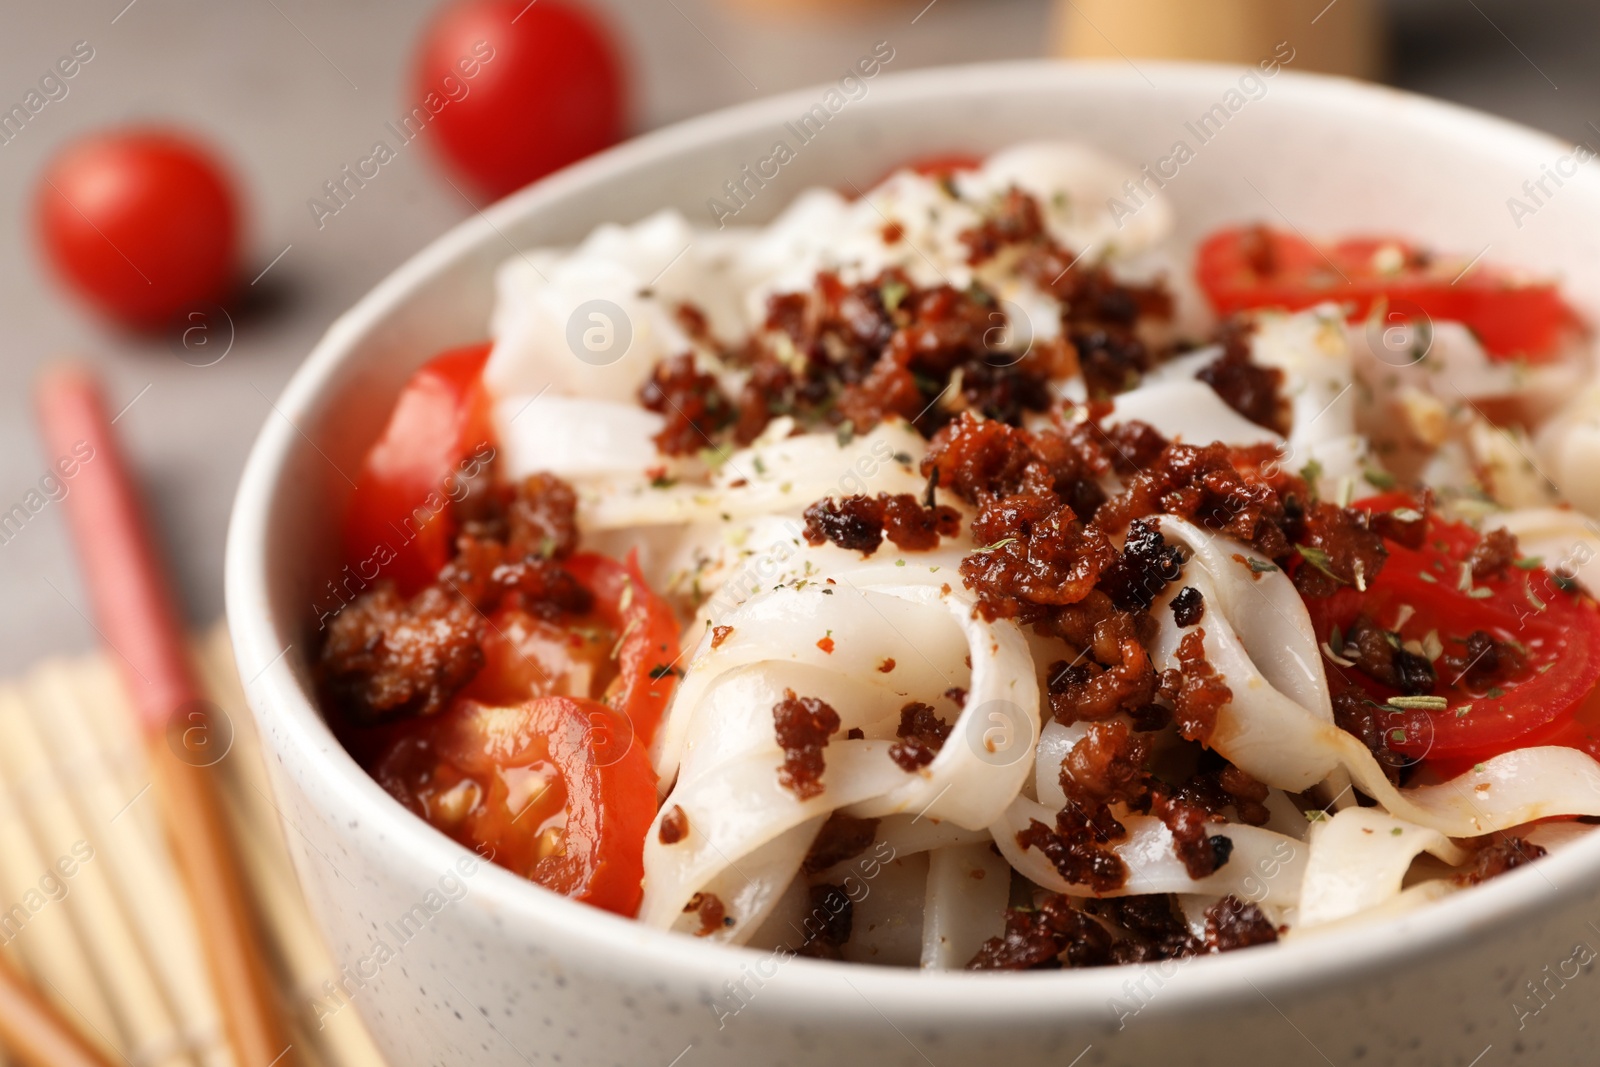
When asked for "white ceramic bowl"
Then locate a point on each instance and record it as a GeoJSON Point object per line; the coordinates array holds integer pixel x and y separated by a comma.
{"type": "Point", "coordinates": [503, 973]}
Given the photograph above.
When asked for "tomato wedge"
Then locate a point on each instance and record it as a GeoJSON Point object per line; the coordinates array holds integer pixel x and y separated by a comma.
{"type": "Point", "coordinates": [400, 523]}
{"type": "Point", "coordinates": [1257, 267]}
{"type": "Point", "coordinates": [1545, 649]}
{"type": "Point", "coordinates": [555, 788]}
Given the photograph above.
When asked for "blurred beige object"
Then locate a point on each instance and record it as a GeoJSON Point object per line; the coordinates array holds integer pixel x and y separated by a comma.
{"type": "Point", "coordinates": [1338, 37]}
{"type": "Point", "coordinates": [806, 7]}
{"type": "Point", "coordinates": [114, 943]}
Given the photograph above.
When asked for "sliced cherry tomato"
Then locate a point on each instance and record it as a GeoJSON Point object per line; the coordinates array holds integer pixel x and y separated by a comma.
{"type": "Point", "coordinates": [1256, 267]}
{"type": "Point", "coordinates": [647, 649]}
{"type": "Point", "coordinates": [937, 165]}
{"type": "Point", "coordinates": [944, 164]}
{"type": "Point", "coordinates": [401, 524]}
{"type": "Point", "coordinates": [1549, 631]}
{"type": "Point", "coordinates": [556, 788]}
{"type": "Point", "coordinates": [518, 89]}
{"type": "Point", "coordinates": [142, 223]}
{"type": "Point", "coordinates": [1580, 730]}
{"type": "Point", "coordinates": [525, 656]}
{"type": "Point", "coordinates": [623, 653]}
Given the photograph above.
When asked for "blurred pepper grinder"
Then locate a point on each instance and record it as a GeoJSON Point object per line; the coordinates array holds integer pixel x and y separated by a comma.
{"type": "Point", "coordinates": [1337, 37]}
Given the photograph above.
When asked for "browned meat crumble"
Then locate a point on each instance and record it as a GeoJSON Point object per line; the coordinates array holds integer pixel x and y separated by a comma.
{"type": "Point", "coordinates": [859, 523]}
{"type": "Point", "coordinates": [1131, 929]}
{"type": "Point", "coordinates": [712, 912]}
{"type": "Point", "coordinates": [842, 837]}
{"type": "Point", "coordinates": [1045, 938]}
{"type": "Point", "coordinates": [828, 924]}
{"type": "Point", "coordinates": [1496, 859]}
{"type": "Point", "coordinates": [1188, 607]}
{"type": "Point", "coordinates": [1252, 390]}
{"type": "Point", "coordinates": [1233, 924]}
{"type": "Point", "coordinates": [922, 733]}
{"type": "Point", "coordinates": [691, 402]}
{"type": "Point", "coordinates": [674, 826]}
{"type": "Point", "coordinates": [1197, 691]}
{"type": "Point", "coordinates": [387, 657]}
{"type": "Point", "coordinates": [803, 725]}
{"type": "Point", "coordinates": [1491, 556]}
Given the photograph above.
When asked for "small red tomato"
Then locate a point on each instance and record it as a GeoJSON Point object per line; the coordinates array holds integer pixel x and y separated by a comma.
{"type": "Point", "coordinates": [141, 223]}
{"type": "Point", "coordinates": [518, 89]}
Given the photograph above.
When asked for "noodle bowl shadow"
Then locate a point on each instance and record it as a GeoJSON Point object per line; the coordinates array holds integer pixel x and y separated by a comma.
{"type": "Point", "coordinates": [1433, 985]}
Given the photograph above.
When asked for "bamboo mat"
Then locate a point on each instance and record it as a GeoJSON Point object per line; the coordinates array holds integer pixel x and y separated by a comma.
{"type": "Point", "coordinates": [91, 905]}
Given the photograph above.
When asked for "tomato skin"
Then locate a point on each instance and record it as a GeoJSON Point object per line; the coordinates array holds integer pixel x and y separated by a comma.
{"type": "Point", "coordinates": [141, 223]}
{"type": "Point", "coordinates": [1541, 704]}
{"type": "Point", "coordinates": [599, 792]}
{"type": "Point", "coordinates": [648, 648]}
{"type": "Point", "coordinates": [547, 89]}
{"type": "Point", "coordinates": [936, 165]}
{"type": "Point", "coordinates": [399, 524]}
{"type": "Point", "coordinates": [527, 656]}
{"type": "Point", "coordinates": [1253, 267]}
{"type": "Point", "coordinates": [943, 164]}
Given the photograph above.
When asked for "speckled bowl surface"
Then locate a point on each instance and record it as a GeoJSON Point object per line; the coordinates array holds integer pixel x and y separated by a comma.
{"type": "Point", "coordinates": [451, 961]}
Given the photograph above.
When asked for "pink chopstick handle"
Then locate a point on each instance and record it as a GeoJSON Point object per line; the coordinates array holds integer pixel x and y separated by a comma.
{"type": "Point", "coordinates": [127, 584]}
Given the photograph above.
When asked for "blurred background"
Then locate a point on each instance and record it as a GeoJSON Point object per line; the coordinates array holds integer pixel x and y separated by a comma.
{"type": "Point", "coordinates": [288, 92]}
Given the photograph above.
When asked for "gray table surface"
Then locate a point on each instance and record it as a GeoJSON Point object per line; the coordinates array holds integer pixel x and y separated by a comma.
{"type": "Point", "coordinates": [292, 90]}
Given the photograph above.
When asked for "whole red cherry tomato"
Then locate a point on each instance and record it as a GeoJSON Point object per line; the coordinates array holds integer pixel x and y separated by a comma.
{"type": "Point", "coordinates": [518, 89]}
{"type": "Point", "coordinates": [141, 223]}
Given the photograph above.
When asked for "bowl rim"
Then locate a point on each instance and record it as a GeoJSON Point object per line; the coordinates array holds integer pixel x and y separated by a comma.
{"type": "Point", "coordinates": [817, 989]}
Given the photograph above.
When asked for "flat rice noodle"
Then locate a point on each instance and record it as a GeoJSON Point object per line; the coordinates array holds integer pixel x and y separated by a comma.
{"type": "Point", "coordinates": [721, 748]}
{"type": "Point", "coordinates": [778, 475]}
{"type": "Point", "coordinates": [1263, 866]}
{"type": "Point", "coordinates": [1359, 859]}
{"type": "Point", "coordinates": [968, 888]}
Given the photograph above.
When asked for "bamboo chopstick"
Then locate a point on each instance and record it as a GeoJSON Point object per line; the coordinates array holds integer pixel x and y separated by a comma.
{"type": "Point", "coordinates": [150, 892]}
{"type": "Point", "coordinates": [333, 1028]}
{"type": "Point", "coordinates": [136, 616]}
{"type": "Point", "coordinates": [143, 1017]}
{"type": "Point", "coordinates": [32, 1031]}
{"type": "Point", "coordinates": [50, 950]}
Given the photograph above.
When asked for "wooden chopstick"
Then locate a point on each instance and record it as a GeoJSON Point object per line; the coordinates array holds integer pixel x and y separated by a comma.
{"type": "Point", "coordinates": [33, 1032]}
{"type": "Point", "coordinates": [138, 620]}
